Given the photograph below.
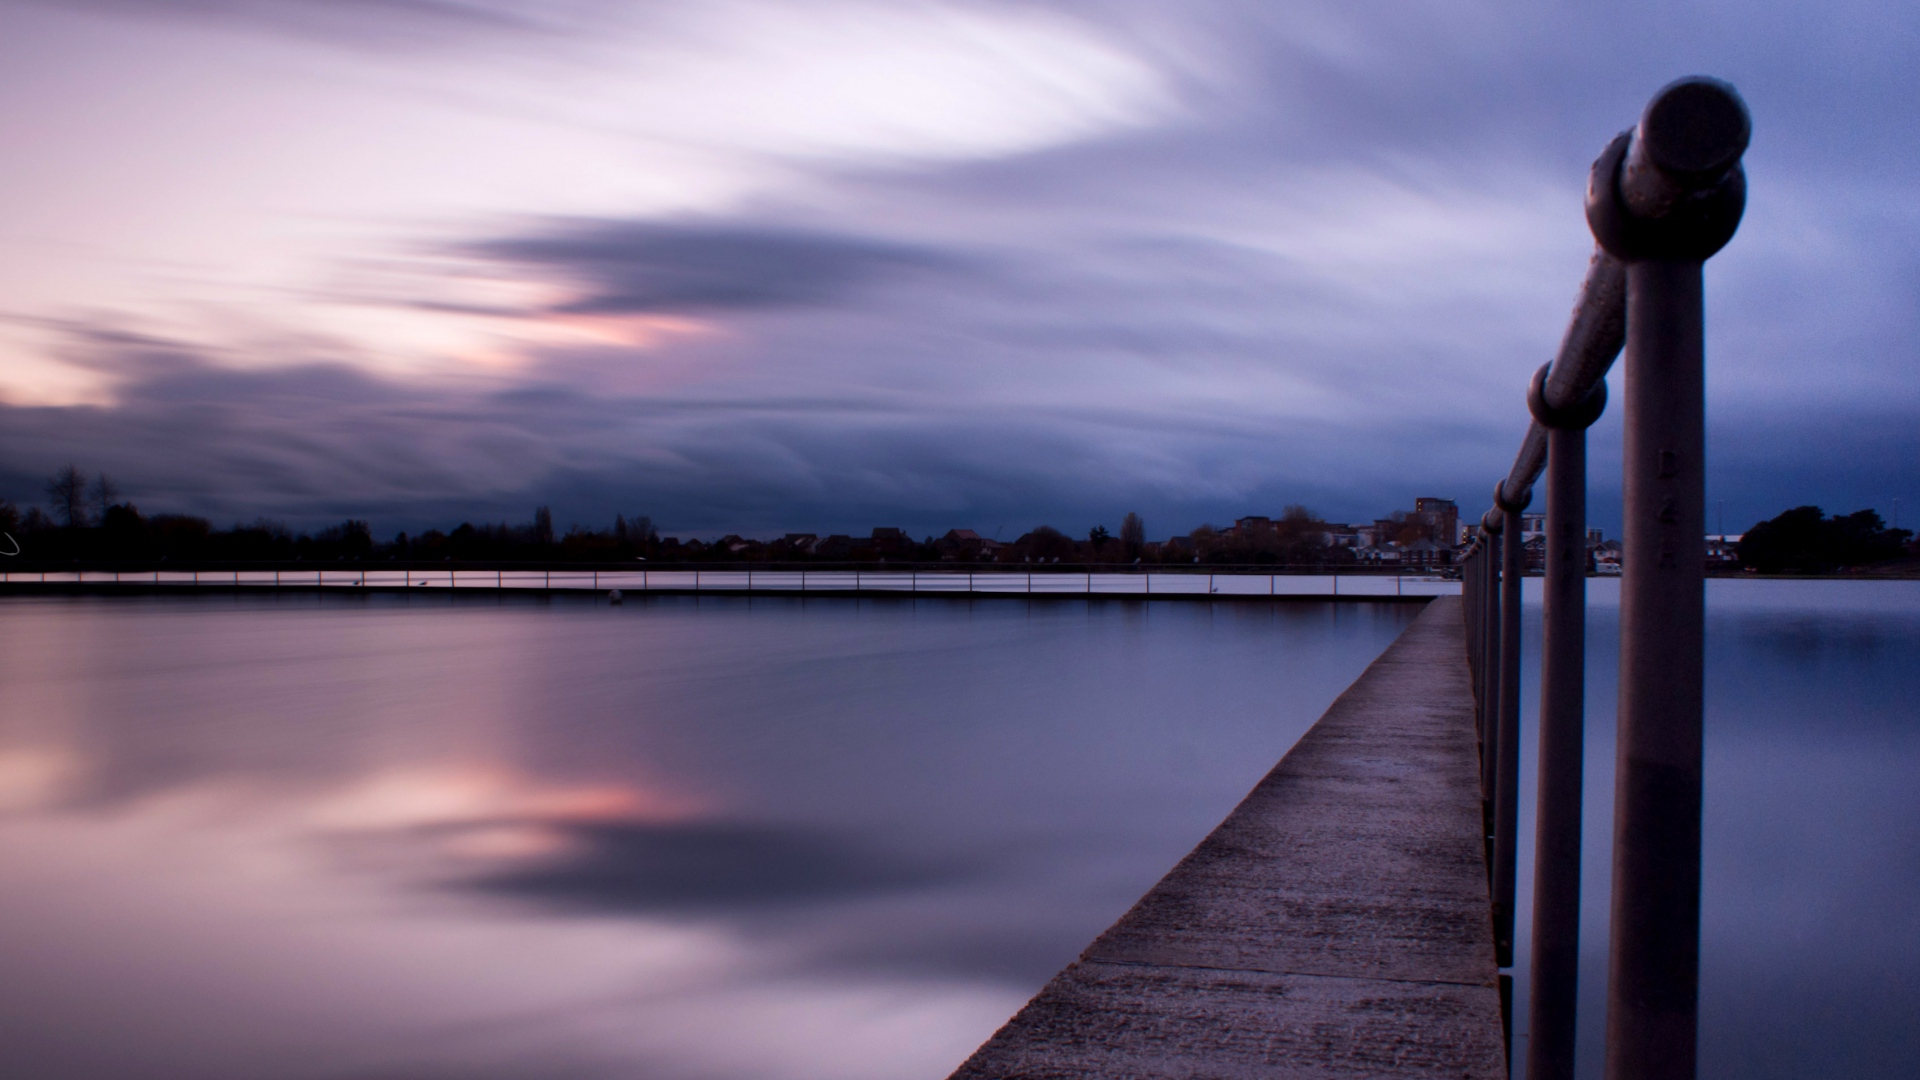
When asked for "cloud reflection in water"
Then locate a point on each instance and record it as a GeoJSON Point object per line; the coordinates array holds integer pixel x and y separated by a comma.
{"type": "Point", "coordinates": [397, 837]}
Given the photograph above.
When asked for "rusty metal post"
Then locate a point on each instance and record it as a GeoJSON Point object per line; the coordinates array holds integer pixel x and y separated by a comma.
{"type": "Point", "coordinates": [1490, 641]}
{"type": "Point", "coordinates": [1471, 600]}
{"type": "Point", "coordinates": [1483, 701]}
{"type": "Point", "coordinates": [1663, 198]}
{"type": "Point", "coordinates": [1473, 604]}
{"type": "Point", "coordinates": [1506, 783]}
{"type": "Point", "coordinates": [1555, 968]}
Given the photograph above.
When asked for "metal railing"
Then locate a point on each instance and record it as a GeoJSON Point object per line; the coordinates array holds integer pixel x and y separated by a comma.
{"type": "Point", "coordinates": [1661, 199]}
{"type": "Point", "coordinates": [904, 581]}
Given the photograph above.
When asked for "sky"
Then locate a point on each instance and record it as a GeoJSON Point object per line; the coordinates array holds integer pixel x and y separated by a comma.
{"type": "Point", "coordinates": [760, 266]}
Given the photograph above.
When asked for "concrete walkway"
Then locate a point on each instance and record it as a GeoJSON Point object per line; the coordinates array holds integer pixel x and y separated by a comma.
{"type": "Point", "coordinates": [1335, 925]}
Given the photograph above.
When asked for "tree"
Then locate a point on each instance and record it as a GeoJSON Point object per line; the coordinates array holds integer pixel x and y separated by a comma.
{"type": "Point", "coordinates": [1133, 531]}
{"type": "Point", "coordinates": [1861, 537]}
{"type": "Point", "coordinates": [352, 537]}
{"type": "Point", "coordinates": [542, 526]}
{"type": "Point", "coordinates": [1099, 535]}
{"type": "Point", "coordinates": [104, 493]}
{"type": "Point", "coordinates": [1805, 540]}
{"type": "Point", "coordinates": [180, 536]}
{"type": "Point", "coordinates": [123, 531]}
{"type": "Point", "coordinates": [67, 495]}
{"type": "Point", "coordinates": [1047, 542]}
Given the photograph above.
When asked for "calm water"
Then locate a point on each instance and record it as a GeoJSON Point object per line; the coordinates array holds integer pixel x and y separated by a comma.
{"type": "Point", "coordinates": [426, 838]}
{"type": "Point", "coordinates": [412, 838]}
{"type": "Point", "coordinates": [1810, 950]}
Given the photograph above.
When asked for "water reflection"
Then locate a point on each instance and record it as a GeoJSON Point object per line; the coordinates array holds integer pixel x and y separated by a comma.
{"type": "Point", "coordinates": [1810, 950]}
{"type": "Point", "coordinates": [417, 837]}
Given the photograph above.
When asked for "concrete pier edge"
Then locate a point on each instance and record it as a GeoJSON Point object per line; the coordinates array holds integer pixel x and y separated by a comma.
{"type": "Point", "coordinates": [1336, 924]}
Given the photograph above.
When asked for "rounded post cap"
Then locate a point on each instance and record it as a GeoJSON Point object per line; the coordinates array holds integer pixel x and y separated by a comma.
{"type": "Point", "coordinates": [1696, 128]}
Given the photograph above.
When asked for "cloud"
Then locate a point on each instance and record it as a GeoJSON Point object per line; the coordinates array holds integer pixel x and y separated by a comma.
{"type": "Point", "coordinates": [1314, 260]}
{"type": "Point", "coordinates": [363, 22]}
{"type": "Point", "coordinates": [822, 80]}
{"type": "Point", "coordinates": [630, 267]}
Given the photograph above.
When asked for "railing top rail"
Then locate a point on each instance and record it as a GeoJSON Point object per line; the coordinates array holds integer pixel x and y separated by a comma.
{"type": "Point", "coordinates": [1680, 165]}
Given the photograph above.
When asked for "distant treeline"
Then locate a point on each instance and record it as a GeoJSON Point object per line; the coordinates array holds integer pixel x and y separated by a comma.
{"type": "Point", "coordinates": [1805, 540]}
{"type": "Point", "coordinates": [91, 527]}
{"type": "Point", "coordinates": [90, 522]}
{"type": "Point", "coordinates": [120, 533]}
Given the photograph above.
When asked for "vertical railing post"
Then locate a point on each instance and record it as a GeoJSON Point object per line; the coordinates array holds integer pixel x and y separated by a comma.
{"type": "Point", "coordinates": [1662, 199]}
{"type": "Point", "coordinates": [1490, 667]}
{"type": "Point", "coordinates": [1555, 970]}
{"type": "Point", "coordinates": [1470, 604]}
{"type": "Point", "coordinates": [1656, 910]}
{"type": "Point", "coordinates": [1478, 633]}
{"type": "Point", "coordinates": [1506, 784]}
{"type": "Point", "coordinates": [1482, 565]}
{"type": "Point", "coordinates": [1469, 586]}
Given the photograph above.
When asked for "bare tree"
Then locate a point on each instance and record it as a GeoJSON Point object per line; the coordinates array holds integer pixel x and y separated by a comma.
{"type": "Point", "coordinates": [67, 495]}
{"type": "Point", "coordinates": [1133, 531]}
{"type": "Point", "coordinates": [104, 493]}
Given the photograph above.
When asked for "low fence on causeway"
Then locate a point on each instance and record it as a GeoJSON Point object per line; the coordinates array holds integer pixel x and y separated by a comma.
{"type": "Point", "coordinates": [1184, 585]}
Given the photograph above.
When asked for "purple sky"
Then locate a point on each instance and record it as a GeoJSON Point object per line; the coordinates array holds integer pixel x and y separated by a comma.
{"type": "Point", "coordinates": [759, 266]}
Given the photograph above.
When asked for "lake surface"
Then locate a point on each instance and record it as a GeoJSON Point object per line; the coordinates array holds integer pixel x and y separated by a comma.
{"type": "Point", "coordinates": [1810, 932]}
{"type": "Point", "coordinates": [471, 838]}
{"type": "Point", "coordinates": [439, 837]}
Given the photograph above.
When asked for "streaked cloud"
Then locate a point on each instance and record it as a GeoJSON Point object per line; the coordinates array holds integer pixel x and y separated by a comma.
{"type": "Point", "coordinates": [640, 267]}
{"type": "Point", "coordinates": [826, 265]}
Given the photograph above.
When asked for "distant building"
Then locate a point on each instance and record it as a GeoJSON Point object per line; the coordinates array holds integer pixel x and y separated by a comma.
{"type": "Point", "coordinates": [795, 545]}
{"type": "Point", "coordinates": [887, 542]}
{"type": "Point", "coordinates": [1723, 550]}
{"type": "Point", "coordinates": [837, 546]}
{"type": "Point", "coordinates": [1425, 554]}
{"type": "Point", "coordinates": [1441, 516]}
{"type": "Point", "coordinates": [1251, 526]}
{"type": "Point", "coordinates": [965, 545]}
{"type": "Point", "coordinates": [1606, 558]}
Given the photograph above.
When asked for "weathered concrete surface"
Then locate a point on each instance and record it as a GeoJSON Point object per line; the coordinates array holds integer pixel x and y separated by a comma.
{"type": "Point", "coordinates": [1335, 925]}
